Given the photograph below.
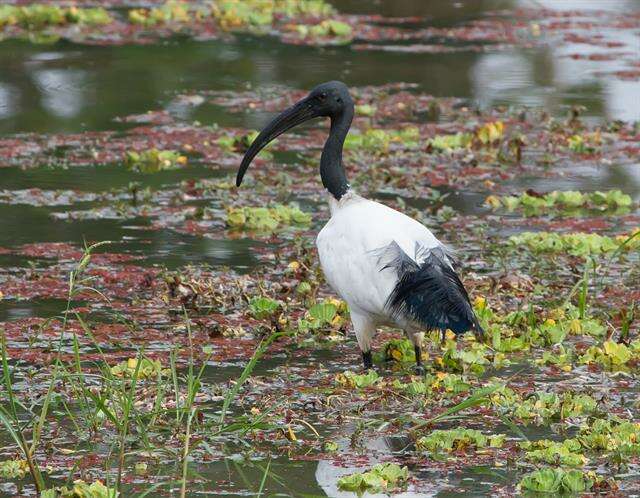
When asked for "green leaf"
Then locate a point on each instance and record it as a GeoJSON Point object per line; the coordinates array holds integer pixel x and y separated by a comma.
{"type": "Point", "coordinates": [147, 369]}
{"type": "Point", "coordinates": [358, 381]}
{"type": "Point", "coordinates": [154, 160]}
{"type": "Point", "coordinates": [266, 219]}
{"type": "Point", "coordinates": [263, 307]}
{"type": "Point", "coordinates": [381, 478]}
{"type": "Point", "coordinates": [323, 312]}
{"type": "Point", "coordinates": [457, 440]}
{"type": "Point", "coordinates": [545, 480]}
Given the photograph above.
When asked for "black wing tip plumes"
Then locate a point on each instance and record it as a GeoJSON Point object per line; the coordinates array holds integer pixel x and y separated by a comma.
{"type": "Point", "coordinates": [431, 294]}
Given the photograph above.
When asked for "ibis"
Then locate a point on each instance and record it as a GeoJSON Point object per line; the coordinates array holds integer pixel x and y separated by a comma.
{"type": "Point", "coordinates": [389, 268]}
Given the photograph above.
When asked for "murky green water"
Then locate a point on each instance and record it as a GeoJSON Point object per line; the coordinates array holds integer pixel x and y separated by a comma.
{"type": "Point", "coordinates": [69, 88]}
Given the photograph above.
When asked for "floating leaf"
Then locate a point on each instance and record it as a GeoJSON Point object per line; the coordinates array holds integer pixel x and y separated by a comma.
{"type": "Point", "coordinates": [358, 381]}
{"type": "Point", "coordinates": [558, 481]}
{"type": "Point", "coordinates": [381, 478]}
{"type": "Point", "coordinates": [266, 219]}
{"type": "Point", "coordinates": [567, 452]}
{"type": "Point", "coordinates": [154, 160]}
{"type": "Point", "coordinates": [575, 244]}
{"type": "Point", "coordinates": [457, 440]}
{"type": "Point", "coordinates": [567, 201]}
{"type": "Point", "coordinates": [263, 307]}
{"type": "Point", "coordinates": [146, 369]}
{"type": "Point", "coordinates": [611, 355]}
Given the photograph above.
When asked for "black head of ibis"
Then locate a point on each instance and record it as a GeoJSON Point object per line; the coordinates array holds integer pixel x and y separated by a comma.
{"type": "Point", "coordinates": [329, 100]}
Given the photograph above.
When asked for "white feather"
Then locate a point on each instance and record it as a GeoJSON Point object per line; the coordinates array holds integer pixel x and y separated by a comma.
{"type": "Point", "coordinates": [349, 247]}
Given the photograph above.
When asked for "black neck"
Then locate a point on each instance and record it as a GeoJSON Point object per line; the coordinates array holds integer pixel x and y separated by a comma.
{"type": "Point", "coordinates": [332, 172]}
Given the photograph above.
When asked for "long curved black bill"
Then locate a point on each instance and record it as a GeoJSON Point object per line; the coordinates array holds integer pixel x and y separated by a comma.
{"type": "Point", "coordinates": [295, 115]}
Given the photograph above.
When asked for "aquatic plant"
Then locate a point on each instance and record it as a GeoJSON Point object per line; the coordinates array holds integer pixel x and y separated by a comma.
{"type": "Point", "coordinates": [611, 435]}
{"type": "Point", "coordinates": [382, 478]}
{"type": "Point", "coordinates": [171, 11]}
{"type": "Point", "coordinates": [39, 16]}
{"type": "Point", "coordinates": [240, 143]}
{"type": "Point", "coordinates": [401, 350]}
{"type": "Point", "coordinates": [379, 141]}
{"type": "Point", "coordinates": [353, 380]}
{"type": "Point", "coordinates": [154, 160]}
{"type": "Point", "coordinates": [266, 218]}
{"type": "Point", "coordinates": [234, 14]}
{"type": "Point", "coordinates": [576, 244]}
{"type": "Point", "coordinates": [611, 354]}
{"type": "Point", "coordinates": [561, 357]}
{"type": "Point", "coordinates": [486, 135]}
{"type": "Point", "coordinates": [543, 406]}
{"type": "Point", "coordinates": [472, 359]}
{"type": "Point", "coordinates": [242, 14]}
{"type": "Point", "coordinates": [264, 307]}
{"type": "Point", "coordinates": [559, 201]}
{"type": "Point", "coordinates": [457, 440]}
{"type": "Point", "coordinates": [145, 368]}
{"type": "Point", "coordinates": [329, 28]}
{"type": "Point", "coordinates": [328, 313]}
{"type": "Point", "coordinates": [567, 452]}
{"type": "Point", "coordinates": [557, 481]}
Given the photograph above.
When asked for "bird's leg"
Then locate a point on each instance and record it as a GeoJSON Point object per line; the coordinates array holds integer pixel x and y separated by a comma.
{"type": "Point", "coordinates": [366, 359]}
{"type": "Point", "coordinates": [365, 329]}
{"type": "Point", "coordinates": [417, 338]}
{"type": "Point", "coordinates": [419, 367]}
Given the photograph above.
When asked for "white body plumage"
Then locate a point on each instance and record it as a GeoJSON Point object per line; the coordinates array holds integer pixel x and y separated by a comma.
{"type": "Point", "coordinates": [352, 247]}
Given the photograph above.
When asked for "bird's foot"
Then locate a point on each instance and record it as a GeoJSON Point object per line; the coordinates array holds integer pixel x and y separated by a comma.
{"type": "Point", "coordinates": [367, 361]}
{"type": "Point", "coordinates": [419, 370]}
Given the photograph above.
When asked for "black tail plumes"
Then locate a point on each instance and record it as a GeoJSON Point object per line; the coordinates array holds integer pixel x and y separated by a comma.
{"type": "Point", "coordinates": [430, 293]}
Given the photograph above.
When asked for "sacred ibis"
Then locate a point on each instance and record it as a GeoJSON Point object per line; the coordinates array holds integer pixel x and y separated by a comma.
{"type": "Point", "coordinates": [389, 268]}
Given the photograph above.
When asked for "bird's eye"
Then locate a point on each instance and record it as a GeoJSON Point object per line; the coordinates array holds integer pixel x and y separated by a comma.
{"type": "Point", "coordinates": [339, 100]}
{"type": "Point", "coordinates": [322, 96]}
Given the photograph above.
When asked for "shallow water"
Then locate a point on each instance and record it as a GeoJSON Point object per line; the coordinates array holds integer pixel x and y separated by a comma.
{"type": "Point", "coordinates": [68, 88]}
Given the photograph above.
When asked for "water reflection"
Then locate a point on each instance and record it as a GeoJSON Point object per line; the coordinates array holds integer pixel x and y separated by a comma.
{"type": "Point", "coordinates": [328, 471]}
{"type": "Point", "coordinates": [506, 76]}
{"type": "Point", "coordinates": [7, 106]}
{"type": "Point", "coordinates": [62, 90]}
